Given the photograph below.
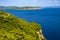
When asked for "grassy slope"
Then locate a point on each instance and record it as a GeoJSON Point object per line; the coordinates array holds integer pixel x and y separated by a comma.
{"type": "Point", "coordinates": [13, 28]}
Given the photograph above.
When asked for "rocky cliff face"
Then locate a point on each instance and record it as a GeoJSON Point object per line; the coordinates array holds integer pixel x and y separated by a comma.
{"type": "Point", "coordinates": [13, 28]}
{"type": "Point", "coordinates": [41, 37]}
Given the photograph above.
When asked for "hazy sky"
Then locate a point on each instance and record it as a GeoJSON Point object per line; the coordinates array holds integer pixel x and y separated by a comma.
{"type": "Point", "coordinates": [42, 3]}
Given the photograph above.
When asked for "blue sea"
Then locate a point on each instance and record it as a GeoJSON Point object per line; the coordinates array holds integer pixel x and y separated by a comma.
{"type": "Point", "coordinates": [49, 18]}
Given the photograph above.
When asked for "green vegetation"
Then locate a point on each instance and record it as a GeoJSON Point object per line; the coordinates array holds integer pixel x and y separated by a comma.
{"type": "Point", "coordinates": [13, 28]}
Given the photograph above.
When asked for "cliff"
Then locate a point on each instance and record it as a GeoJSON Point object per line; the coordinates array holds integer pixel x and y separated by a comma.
{"type": "Point", "coordinates": [13, 28]}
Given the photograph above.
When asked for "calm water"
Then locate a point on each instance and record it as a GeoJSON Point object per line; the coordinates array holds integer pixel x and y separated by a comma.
{"type": "Point", "coordinates": [49, 18]}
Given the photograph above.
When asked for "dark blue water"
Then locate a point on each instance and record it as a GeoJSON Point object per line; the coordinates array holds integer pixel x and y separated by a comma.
{"type": "Point", "coordinates": [49, 18]}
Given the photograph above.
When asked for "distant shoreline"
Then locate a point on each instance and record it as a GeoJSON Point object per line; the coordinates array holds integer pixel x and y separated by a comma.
{"type": "Point", "coordinates": [20, 8]}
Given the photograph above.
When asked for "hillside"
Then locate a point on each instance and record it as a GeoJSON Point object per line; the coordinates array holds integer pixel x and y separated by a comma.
{"type": "Point", "coordinates": [13, 28]}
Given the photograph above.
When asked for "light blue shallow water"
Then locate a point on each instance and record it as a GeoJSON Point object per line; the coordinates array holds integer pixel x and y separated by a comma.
{"type": "Point", "coordinates": [49, 18]}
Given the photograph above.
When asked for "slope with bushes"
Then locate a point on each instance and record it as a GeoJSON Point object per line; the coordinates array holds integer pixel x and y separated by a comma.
{"type": "Point", "coordinates": [13, 28]}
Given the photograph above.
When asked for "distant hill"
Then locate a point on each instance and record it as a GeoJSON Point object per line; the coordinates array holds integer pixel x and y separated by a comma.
{"type": "Point", "coordinates": [13, 28]}
{"type": "Point", "coordinates": [19, 8]}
